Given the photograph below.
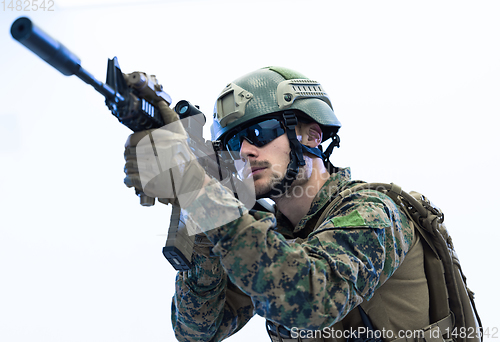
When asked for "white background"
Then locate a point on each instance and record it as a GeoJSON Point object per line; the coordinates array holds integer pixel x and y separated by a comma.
{"type": "Point", "coordinates": [415, 85]}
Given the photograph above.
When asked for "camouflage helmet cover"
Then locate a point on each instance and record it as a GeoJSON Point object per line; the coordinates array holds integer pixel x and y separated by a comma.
{"type": "Point", "coordinates": [272, 90]}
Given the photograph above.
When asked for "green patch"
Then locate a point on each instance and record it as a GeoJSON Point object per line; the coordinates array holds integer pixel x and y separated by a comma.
{"type": "Point", "coordinates": [286, 73]}
{"type": "Point", "coordinates": [354, 219]}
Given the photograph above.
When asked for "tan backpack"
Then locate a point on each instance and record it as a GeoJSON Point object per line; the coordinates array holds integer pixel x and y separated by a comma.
{"type": "Point", "coordinates": [448, 291]}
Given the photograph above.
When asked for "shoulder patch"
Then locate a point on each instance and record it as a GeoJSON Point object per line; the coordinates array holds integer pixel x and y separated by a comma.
{"type": "Point", "coordinates": [353, 219]}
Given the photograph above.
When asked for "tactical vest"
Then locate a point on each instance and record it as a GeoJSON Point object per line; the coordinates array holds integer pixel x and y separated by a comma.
{"type": "Point", "coordinates": [430, 280]}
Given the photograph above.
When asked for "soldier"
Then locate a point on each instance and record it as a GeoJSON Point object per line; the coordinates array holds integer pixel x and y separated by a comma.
{"type": "Point", "coordinates": [313, 278]}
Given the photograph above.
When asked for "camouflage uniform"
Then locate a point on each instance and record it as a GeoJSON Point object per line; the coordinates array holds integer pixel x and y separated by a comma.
{"type": "Point", "coordinates": [297, 277]}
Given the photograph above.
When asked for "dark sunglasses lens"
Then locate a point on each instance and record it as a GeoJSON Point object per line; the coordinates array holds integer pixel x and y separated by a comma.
{"type": "Point", "coordinates": [265, 132]}
{"type": "Point", "coordinates": [258, 134]}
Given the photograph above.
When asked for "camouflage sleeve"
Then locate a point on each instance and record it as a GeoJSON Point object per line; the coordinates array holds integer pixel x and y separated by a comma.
{"type": "Point", "coordinates": [206, 306]}
{"type": "Point", "coordinates": [313, 283]}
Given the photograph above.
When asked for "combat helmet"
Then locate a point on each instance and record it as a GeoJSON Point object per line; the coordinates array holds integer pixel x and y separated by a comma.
{"type": "Point", "coordinates": [282, 93]}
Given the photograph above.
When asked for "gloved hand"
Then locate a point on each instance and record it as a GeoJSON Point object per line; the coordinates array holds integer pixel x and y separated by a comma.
{"type": "Point", "coordinates": [160, 163]}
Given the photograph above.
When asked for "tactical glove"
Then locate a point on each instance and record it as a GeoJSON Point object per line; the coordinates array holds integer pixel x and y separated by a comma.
{"type": "Point", "coordinates": [160, 163]}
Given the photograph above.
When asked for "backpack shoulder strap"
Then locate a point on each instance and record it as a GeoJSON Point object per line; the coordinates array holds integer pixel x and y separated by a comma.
{"type": "Point", "coordinates": [447, 285]}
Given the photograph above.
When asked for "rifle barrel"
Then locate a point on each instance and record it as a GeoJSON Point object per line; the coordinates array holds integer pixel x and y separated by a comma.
{"type": "Point", "coordinates": [56, 54]}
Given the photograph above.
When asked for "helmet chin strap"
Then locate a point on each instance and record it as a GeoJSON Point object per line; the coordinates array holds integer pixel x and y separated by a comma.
{"type": "Point", "coordinates": [296, 157]}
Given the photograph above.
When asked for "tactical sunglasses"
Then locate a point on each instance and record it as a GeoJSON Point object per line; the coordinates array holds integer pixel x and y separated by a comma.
{"type": "Point", "coordinates": [258, 134]}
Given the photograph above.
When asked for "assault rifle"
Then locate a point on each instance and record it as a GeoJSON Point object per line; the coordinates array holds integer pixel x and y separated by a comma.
{"type": "Point", "coordinates": [133, 99]}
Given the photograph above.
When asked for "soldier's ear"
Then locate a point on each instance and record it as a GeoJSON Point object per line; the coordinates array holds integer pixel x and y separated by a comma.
{"type": "Point", "coordinates": [309, 134]}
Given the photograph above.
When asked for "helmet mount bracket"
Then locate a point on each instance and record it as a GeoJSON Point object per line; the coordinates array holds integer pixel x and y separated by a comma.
{"type": "Point", "coordinates": [231, 104]}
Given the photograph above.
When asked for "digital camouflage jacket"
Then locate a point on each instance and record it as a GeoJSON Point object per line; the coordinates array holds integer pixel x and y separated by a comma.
{"type": "Point", "coordinates": [293, 276]}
